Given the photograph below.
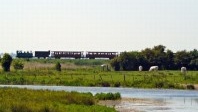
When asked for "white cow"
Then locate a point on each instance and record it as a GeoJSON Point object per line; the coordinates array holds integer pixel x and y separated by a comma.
{"type": "Point", "coordinates": [140, 68]}
{"type": "Point", "coordinates": [153, 68]}
{"type": "Point", "coordinates": [104, 66]}
{"type": "Point", "coordinates": [183, 70]}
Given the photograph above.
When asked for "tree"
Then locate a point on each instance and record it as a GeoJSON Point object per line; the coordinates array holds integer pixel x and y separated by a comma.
{"type": "Point", "coordinates": [142, 61]}
{"type": "Point", "coordinates": [129, 60]}
{"type": "Point", "coordinates": [194, 64]}
{"type": "Point", "coordinates": [6, 62]}
{"type": "Point", "coordinates": [159, 56]}
{"type": "Point", "coordinates": [182, 58]}
{"type": "Point", "coordinates": [115, 63]}
{"type": "Point", "coordinates": [169, 64]}
{"type": "Point", "coordinates": [17, 64]}
{"type": "Point", "coordinates": [148, 55]}
{"type": "Point", "coordinates": [58, 66]}
{"type": "Point", "coordinates": [194, 59]}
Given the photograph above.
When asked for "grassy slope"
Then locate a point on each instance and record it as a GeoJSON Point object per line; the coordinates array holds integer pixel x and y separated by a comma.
{"type": "Point", "coordinates": [23, 100]}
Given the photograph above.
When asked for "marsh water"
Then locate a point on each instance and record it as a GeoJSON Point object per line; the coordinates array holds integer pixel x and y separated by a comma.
{"type": "Point", "coordinates": [166, 100]}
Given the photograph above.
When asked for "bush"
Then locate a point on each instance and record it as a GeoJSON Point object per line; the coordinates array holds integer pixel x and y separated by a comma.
{"type": "Point", "coordinates": [115, 63]}
{"type": "Point", "coordinates": [190, 86]}
{"type": "Point", "coordinates": [6, 62]}
{"type": "Point", "coordinates": [58, 66]}
{"type": "Point", "coordinates": [17, 64]}
{"type": "Point", "coordinates": [159, 84]}
{"type": "Point", "coordinates": [105, 84]}
{"type": "Point", "coordinates": [108, 96]}
{"type": "Point", "coordinates": [117, 84]}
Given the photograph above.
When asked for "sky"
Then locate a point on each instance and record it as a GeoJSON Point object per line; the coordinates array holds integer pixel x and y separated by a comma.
{"type": "Point", "coordinates": [98, 25]}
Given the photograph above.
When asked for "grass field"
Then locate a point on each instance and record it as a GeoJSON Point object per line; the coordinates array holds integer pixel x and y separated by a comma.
{"type": "Point", "coordinates": [24, 100]}
{"type": "Point", "coordinates": [89, 73]}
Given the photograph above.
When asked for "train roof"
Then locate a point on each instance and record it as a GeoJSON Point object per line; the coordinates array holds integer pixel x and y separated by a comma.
{"type": "Point", "coordinates": [67, 51]}
{"type": "Point", "coordinates": [101, 52]}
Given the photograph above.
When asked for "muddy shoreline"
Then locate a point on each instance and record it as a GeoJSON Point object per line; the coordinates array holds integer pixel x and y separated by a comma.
{"type": "Point", "coordinates": [133, 104]}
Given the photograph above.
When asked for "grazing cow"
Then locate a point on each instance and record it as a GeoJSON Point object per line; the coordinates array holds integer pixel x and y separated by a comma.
{"type": "Point", "coordinates": [140, 68]}
{"type": "Point", "coordinates": [103, 66]}
{"type": "Point", "coordinates": [153, 68]}
{"type": "Point", "coordinates": [183, 70]}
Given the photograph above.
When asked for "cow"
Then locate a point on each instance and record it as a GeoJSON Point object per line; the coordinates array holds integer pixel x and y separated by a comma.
{"type": "Point", "coordinates": [153, 68]}
{"type": "Point", "coordinates": [104, 66]}
{"type": "Point", "coordinates": [183, 70]}
{"type": "Point", "coordinates": [140, 68]}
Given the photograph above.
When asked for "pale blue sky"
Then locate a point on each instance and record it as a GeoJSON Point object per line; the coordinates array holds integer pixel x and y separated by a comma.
{"type": "Point", "coordinates": [98, 25]}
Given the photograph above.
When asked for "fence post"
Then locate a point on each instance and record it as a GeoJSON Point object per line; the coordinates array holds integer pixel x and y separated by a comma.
{"type": "Point", "coordinates": [124, 78]}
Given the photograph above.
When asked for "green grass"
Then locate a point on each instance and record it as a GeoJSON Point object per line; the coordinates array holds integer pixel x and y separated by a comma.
{"type": "Point", "coordinates": [108, 96]}
{"type": "Point", "coordinates": [88, 77]}
{"type": "Point", "coordinates": [24, 100]}
{"type": "Point", "coordinates": [42, 72]}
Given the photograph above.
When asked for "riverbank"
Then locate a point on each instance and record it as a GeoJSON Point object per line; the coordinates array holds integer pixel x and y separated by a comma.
{"type": "Point", "coordinates": [134, 99]}
{"type": "Point", "coordinates": [27, 100]}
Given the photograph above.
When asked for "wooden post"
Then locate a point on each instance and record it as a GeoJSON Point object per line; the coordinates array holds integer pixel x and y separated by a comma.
{"type": "Point", "coordinates": [124, 78]}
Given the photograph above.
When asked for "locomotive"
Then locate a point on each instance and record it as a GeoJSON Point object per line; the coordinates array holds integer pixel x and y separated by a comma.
{"type": "Point", "coordinates": [67, 54]}
{"type": "Point", "coordinates": [21, 54]}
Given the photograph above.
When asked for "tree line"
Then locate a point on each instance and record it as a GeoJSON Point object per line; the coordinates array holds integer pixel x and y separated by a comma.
{"type": "Point", "coordinates": [156, 56]}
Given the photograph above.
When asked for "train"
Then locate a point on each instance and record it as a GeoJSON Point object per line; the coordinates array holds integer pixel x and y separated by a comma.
{"type": "Point", "coordinates": [66, 54]}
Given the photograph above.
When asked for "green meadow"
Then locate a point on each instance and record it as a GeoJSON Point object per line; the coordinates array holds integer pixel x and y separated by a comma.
{"type": "Point", "coordinates": [90, 73]}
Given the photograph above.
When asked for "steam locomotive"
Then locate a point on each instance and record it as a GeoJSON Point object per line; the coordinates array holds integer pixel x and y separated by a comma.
{"type": "Point", "coordinates": [66, 54]}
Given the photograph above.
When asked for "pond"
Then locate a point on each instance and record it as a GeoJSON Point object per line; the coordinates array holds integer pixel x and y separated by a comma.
{"type": "Point", "coordinates": [166, 100]}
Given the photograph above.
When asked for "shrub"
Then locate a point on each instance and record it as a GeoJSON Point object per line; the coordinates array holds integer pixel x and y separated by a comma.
{"type": "Point", "coordinates": [108, 96]}
{"type": "Point", "coordinates": [105, 84]}
{"type": "Point", "coordinates": [17, 64]}
{"type": "Point", "coordinates": [117, 84]}
{"type": "Point", "coordinates": [159, 84]}
{"type": "Point", "coordinates": [6, 62]}
{"type": "Point", "coordinates": [115, 63]}
{"type": "Point", "coordinates": [190, 86]}
{"type": "Point", "coordinates": [58, 66]}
